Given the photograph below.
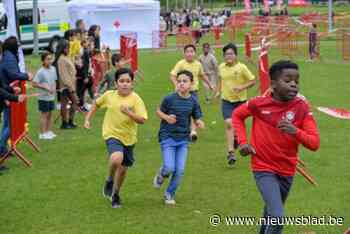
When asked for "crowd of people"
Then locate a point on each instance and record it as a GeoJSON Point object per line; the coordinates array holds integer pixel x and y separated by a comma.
{"type": "Point", "coordinates": [198, 19]}
{"type": "Point", "coordinates": [282, 120]}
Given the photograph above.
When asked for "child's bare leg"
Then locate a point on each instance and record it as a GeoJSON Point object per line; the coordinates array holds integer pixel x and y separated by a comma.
{"type": "Point", "coordinates": [43, 124]}
{"type": "Point", "coordinates": [115, 168]}
{"type": "Point", "coordinates": [49, 121]}
{"type": "Point", "coordinates": [120, 176]}
{"type": "Point", "coordinates": [229, 135]}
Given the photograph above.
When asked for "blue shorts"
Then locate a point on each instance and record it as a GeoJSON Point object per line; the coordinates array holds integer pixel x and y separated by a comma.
{"type": "Point", "coordinates": [114, 145]}
{"type": "Point", "coordinates": [46, 106]}
{"type": "Point", "coordinates": [228, 107]}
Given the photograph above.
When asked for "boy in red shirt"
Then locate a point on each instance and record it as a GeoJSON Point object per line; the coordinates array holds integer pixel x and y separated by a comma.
{"type": "Point", "coordinates": [281, 121]}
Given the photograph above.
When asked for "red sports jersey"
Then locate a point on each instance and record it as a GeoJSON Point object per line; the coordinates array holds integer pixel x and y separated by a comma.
{"type": "Point", "coordinates": [276, 151]}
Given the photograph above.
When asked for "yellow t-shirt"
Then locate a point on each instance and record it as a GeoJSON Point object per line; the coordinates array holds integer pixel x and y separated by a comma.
{"type": "Point", "coordinates": [232, 76]}
{"type": "Point", "coordinates": [195, 67]}
{"type": "Point", "coordinates": [74, 48]}
{"type": "Point", "coordinates": [116, 124]}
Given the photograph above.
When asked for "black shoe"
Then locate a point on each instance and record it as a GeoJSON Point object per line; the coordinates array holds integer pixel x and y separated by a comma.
{"type": "Point", "coordinates": [194, 138]}
{"type": "Point", "coordinates": [65, 125]}
{"type": "Point", "coordinates": [72, 125]}
{"type": "Point", "coordinates": [231, 158]}
{"type": "Point", "coordinates": [116, 203]}
{"type": "Point", "coordinates": [3, 168]}
{"type": "Point", "coordinates": [108, 189]}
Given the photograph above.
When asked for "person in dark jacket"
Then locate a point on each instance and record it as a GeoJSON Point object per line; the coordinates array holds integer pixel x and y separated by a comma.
{"type": "Point", "coordinates": [9, 72]}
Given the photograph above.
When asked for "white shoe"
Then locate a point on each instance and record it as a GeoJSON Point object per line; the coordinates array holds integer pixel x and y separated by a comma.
{"type": "Point", "coordinates": [168, 199]}
{"type": "Point", "coordinates": [87, 106]}
{"type": "Point", "coordinates": [158, 181]}
{"type": "Point", "coordinates": [45, 136]}
{"type": "Point", "coordinates": [171, 202]}
{"type": "Point", "coordinates": [51, 134]}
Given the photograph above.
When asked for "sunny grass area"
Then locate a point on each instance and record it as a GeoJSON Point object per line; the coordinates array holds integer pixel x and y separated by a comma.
{"type": "Point", "coordinates": [61, 193]}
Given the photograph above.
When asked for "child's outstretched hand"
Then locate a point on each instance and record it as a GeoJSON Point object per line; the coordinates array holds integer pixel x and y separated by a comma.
{"type": "Point", "coordinates": [200, 124]}
{"type": "Point", "coordinates": [287, 127]}
{"type": "Point", "coordinates": [246, 149]}
{"type": "Point", "coordinates": [171, 119]}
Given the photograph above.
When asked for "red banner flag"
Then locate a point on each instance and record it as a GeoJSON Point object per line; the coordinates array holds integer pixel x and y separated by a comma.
{"type": "Point", "coordinates": [18, 116]}
{"type": "Point", "coordinates": [128, 50]}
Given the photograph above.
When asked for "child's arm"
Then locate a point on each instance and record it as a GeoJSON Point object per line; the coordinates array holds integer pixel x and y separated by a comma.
{"type": "Point", "coordinates": [307, 135]}
{"type": "Point", "coordinates": [170, 119]}
{"type": "Point", "coordinates": [138, 119]}
{"type": "Point", "coordinates": [199, 123]}
{"type": "Point", "coordinates": [238, 118]}
{"type": "Point", "coordinates": [204, 77]}
{"type": "Point", "coordinates": [250, 81]}
{"type": "Point", "coordinates": [218, 89]}
{"type": "Point", "coordinates": [174, 72]}
{"type": "Point", "coordinates": [42, 86]}
{"type": "Point", "coordinates": [89, 115]}
{"type": "Point", "coordinates": [247, 85]}
{"type": "Point", "coordinates": [173, 79]}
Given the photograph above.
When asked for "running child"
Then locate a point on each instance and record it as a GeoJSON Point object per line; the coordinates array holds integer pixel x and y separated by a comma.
{"type": "Point", "coordinates": [210, 66]}
{"type": "Point", "coordinates": [125, 110]}
{"type": "Point", "coordinates": [175, 113]}
{"type": "Point", "coordinates": [281, 122]}
{"type": "Point", "coordinates": [235, 80]}
{"type": "Point", "coordinates": [190, 63]}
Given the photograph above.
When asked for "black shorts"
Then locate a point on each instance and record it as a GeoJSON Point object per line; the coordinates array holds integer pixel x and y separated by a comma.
{"type": "Point", "coordinates": [228, 107]}
{"type": "Point", "coordinates": [114, 145]}
{"type": "Point", "coordinates": [46, 106]}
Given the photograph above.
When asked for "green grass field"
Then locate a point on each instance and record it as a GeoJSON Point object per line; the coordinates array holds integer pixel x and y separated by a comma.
{"type": "Point", "coordinates": [61, 193]}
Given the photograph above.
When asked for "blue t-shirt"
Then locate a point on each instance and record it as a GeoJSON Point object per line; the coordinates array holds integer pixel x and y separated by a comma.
{"type": "Point", "coordinates": [183, 109]}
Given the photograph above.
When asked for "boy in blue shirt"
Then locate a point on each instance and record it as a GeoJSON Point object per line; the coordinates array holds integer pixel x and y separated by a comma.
{"type": "Point", "coordinates": [175, 113]}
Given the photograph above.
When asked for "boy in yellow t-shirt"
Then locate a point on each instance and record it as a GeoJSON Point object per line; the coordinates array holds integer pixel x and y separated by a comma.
{"type": "Point", "coordinates": [235, 79]}
{"type": "Point", "coordinates": [190, 63]}
{"type": "Point", "coordinates": [125, 110]}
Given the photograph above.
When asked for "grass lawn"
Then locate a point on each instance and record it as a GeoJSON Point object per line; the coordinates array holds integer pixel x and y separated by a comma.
{"type": "Point", "coordinates": [61, 193]}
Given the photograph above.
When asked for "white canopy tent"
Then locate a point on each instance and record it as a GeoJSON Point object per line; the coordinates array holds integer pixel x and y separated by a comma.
{"type": "Point", "coordinates": [118, 17]}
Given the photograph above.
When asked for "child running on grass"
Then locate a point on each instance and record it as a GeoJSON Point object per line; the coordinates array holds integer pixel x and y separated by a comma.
{"type": "Point", "coordinates": [175, 113]}
{"type": "Point", "coordinates": [125, 110]}
{"type": "Point", "coordinates": [45, 80]}
{"type": "Point", "coordinates": [281, 122]}
{"type": "Point", "coordinates": [195, 67]}
{"type": "Point", "coordinates": [210, 66]}
{"type": "Point", "coordinates": [235, 80]}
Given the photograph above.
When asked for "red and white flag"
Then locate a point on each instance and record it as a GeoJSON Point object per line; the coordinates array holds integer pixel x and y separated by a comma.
{"type": "Point", "coordinates": [335, 112]}
{"type": "Point", "coordinates": [264, 68]}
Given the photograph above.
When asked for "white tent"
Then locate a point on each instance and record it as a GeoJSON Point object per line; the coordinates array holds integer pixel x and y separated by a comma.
{"type": "Point", "coordinates": [118, 17]}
